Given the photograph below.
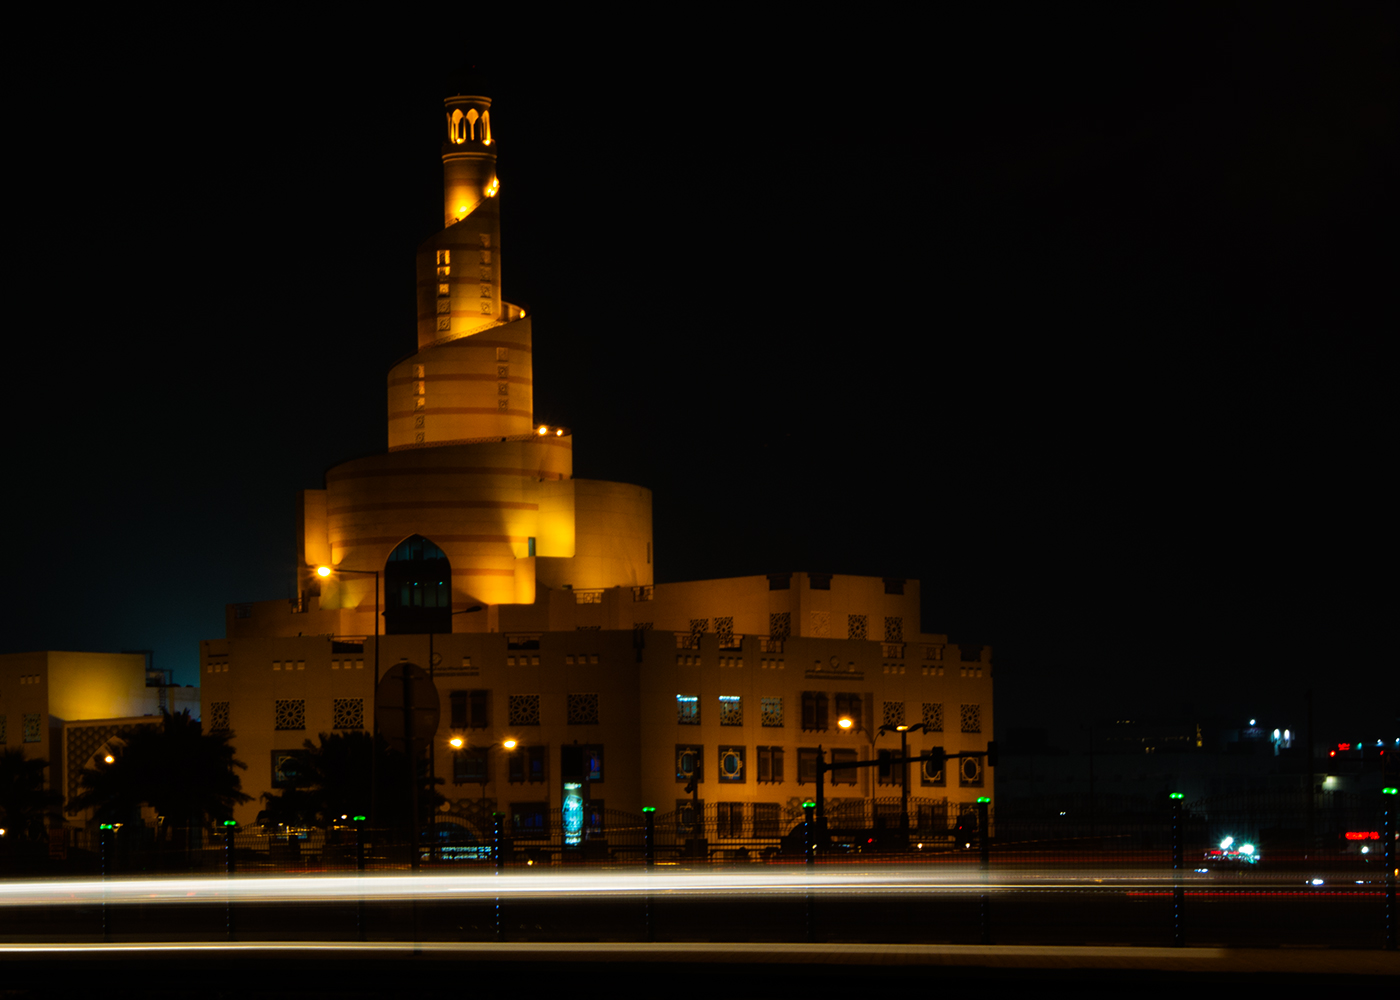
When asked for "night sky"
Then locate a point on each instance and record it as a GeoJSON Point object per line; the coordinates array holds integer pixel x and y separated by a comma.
{"type": "Point", "coordinates": [1079, 321]}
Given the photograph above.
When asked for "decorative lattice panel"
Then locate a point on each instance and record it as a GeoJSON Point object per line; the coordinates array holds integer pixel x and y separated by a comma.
{"type": "Point", "coordinates": [218, 717]}
{"type": "Point", "coordinates": [731, 710]}
{"type": "Point", "coordinates": [32, 729]}
{"type": "Point", "coordinates": [821, 624]}
{"type": "Point", "coordinates": [933, 717]}
{"type": "Point", "coordinates": [4, 730]}
{"type": "Point", "coordinates": [348, 713]}
{"type": "Point", "coordinates": [731, 764]}
{"type": "Point", "coordinates": [780, 624]}
{"type": "Point", "coordinates": [642, 626]}
{"type": "Point", "coordinates": [893, 713]}
{"type": "Point", "coordinates": [772, 711]}
{"type": "Point", "coordinates": [972, 718]}
{"type": "Point", "coordinates": [524, 709]}
{"type": "Point", "coordinates": [583, 709]}
{"type": "Point", "coordinates": [857, 626]}
{"type": "Point", "coordinates": [289, 713]}
{"type": "Point", "coordinates": [687, 710]}
{"type": "Point", "coordinates": [724, 628]}
{"type": "Point", "coordinates": [698, 627]}
{"type": "Point", "coordinates": [894, 629]}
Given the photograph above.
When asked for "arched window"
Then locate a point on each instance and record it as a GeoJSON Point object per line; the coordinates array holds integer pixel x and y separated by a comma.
{"type": "Point", "coordinates": [417, 589]}
{"type": "Point", "coordinates": [486, 127]}
{"type": "Point", "coordinates": [456, 127]}
{"type": "Point", "coordinates": [471, 121]}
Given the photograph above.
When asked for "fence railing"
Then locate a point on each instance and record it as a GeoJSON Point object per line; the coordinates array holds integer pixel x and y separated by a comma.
{"type": "Point", "coordinates": [1341, 831]}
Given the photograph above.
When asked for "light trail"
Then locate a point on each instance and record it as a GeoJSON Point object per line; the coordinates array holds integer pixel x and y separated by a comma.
{"type": "Point", "coordinates": [536, 884]}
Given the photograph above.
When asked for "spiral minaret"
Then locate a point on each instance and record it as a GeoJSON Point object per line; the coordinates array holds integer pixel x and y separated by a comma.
{"type": "Point", "coordinates": [467, 467]}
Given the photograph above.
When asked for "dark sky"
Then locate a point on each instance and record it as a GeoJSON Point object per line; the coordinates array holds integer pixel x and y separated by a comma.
{"type": "Point", "coordinates": [1077, 320]}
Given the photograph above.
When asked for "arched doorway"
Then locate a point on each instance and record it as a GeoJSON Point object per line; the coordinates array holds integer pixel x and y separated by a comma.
{"type": "Point", "coordinates": [417, 589]}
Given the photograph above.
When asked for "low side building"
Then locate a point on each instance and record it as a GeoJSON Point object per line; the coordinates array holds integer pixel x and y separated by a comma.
{"type": "Point", "coordinates": [55, 704]}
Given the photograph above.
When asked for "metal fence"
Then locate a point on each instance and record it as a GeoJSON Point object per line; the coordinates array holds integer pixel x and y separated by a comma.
{"type": "Point", "coordinates": [1283, 832]}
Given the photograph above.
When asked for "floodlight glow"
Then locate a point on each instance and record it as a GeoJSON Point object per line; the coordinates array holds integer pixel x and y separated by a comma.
{"type": "Point", "coordinates": [509, 744]}
{"type": "Point", "coordinates": [109, 759]}
{"type": "Point", "coordinates": [845, 722]}
{"type": "Point", "coordinates": [323, 571]}
{"type": "Point", "coordinates": [456, 743]}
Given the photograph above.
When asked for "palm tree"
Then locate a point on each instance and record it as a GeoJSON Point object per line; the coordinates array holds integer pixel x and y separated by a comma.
{"type": "Point", "coordinates": [24, 802]}
{"type": "Point", "coordinates": [180, 771]}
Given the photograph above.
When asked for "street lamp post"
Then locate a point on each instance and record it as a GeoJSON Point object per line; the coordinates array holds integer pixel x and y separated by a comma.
{"type": "Point", "coordinates": [904, 732]}
{"type": "Point", "coordinates": [323, 572]}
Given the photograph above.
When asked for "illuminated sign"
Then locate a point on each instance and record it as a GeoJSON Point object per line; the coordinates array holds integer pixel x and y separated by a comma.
{"type": "Point", "coordinates": [573, 813]}
{"type": "Point", "coordinates": [1363, 835]}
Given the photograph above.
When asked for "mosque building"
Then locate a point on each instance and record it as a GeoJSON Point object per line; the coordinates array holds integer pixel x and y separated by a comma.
{"type": "Point", "coordinates": [470, 549]}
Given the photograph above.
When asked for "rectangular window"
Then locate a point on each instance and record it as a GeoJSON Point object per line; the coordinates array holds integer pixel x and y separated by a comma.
{"type": "Point", "coordinates": [772, 709]}
{"type": "Point", "coordinates": [806, 766]}
{"type": "Point", "coordinates": [469, 766]}
{"type": "Point", "coordinates": [469, 709]}
{"type": "Point", "coordinates": [933, 817]}
{"type": "Point", "coordinates": [526, 765]}
{"type": "Point", "coordinates": [814, 710]}
{"type": "Point", "coordinates": [689, 757]}
{"type": "Point", "coordinates": [848, 706]}
{"type": "Point", "coordinates": [770, 764]}
{"type": "Point", "coordinates": [886, 772]}
{"type": "Point", "coordinates": [729, 819]}
{"type": "Point", "coordinates": [844, 775]}
{"type": "Point", "coordinates": [731, 710]}
{"type": "Point", "coordinates": [581, 763]}
{"type": "Point", "coordinates": [529, 820]}
{"type": "Point", "coordinates": [767, 819]}
{"type": "Point", "coordinates": [688, 709]}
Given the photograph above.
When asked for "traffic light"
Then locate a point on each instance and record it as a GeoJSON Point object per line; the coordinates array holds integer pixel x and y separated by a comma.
{"type": "Point", "coordinates": [991, 753]}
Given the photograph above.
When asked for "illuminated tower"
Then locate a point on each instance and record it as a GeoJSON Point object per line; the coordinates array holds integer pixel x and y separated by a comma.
{"type": "Point", "coordinates": [467, 469]}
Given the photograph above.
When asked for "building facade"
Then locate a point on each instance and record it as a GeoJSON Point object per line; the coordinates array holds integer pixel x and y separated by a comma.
{"type": "Point", "coordinates": [469, 549]}
{"type": "Point", "coordinates": [68, 707]}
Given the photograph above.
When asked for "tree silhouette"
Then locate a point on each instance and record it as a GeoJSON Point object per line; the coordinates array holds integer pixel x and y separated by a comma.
{"type": "Point", "coordinates": [24, 802]}
{"type": "Point", "coordinates": [334, 781]}
{"type": "Point", "coordinates": [180, 771]}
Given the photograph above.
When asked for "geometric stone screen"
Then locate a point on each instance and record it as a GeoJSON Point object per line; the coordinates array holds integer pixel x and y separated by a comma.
{"type": "Point", "coordinates": [289, 714]}
{"type": "Point", "coordinates": [972, 718]}
{"type": "Point", "coordinates": [933, 717]}
{"type": "Point", "coordinates": [524, 709]}
{"type": "Point", "coordinates": [347, 713]}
